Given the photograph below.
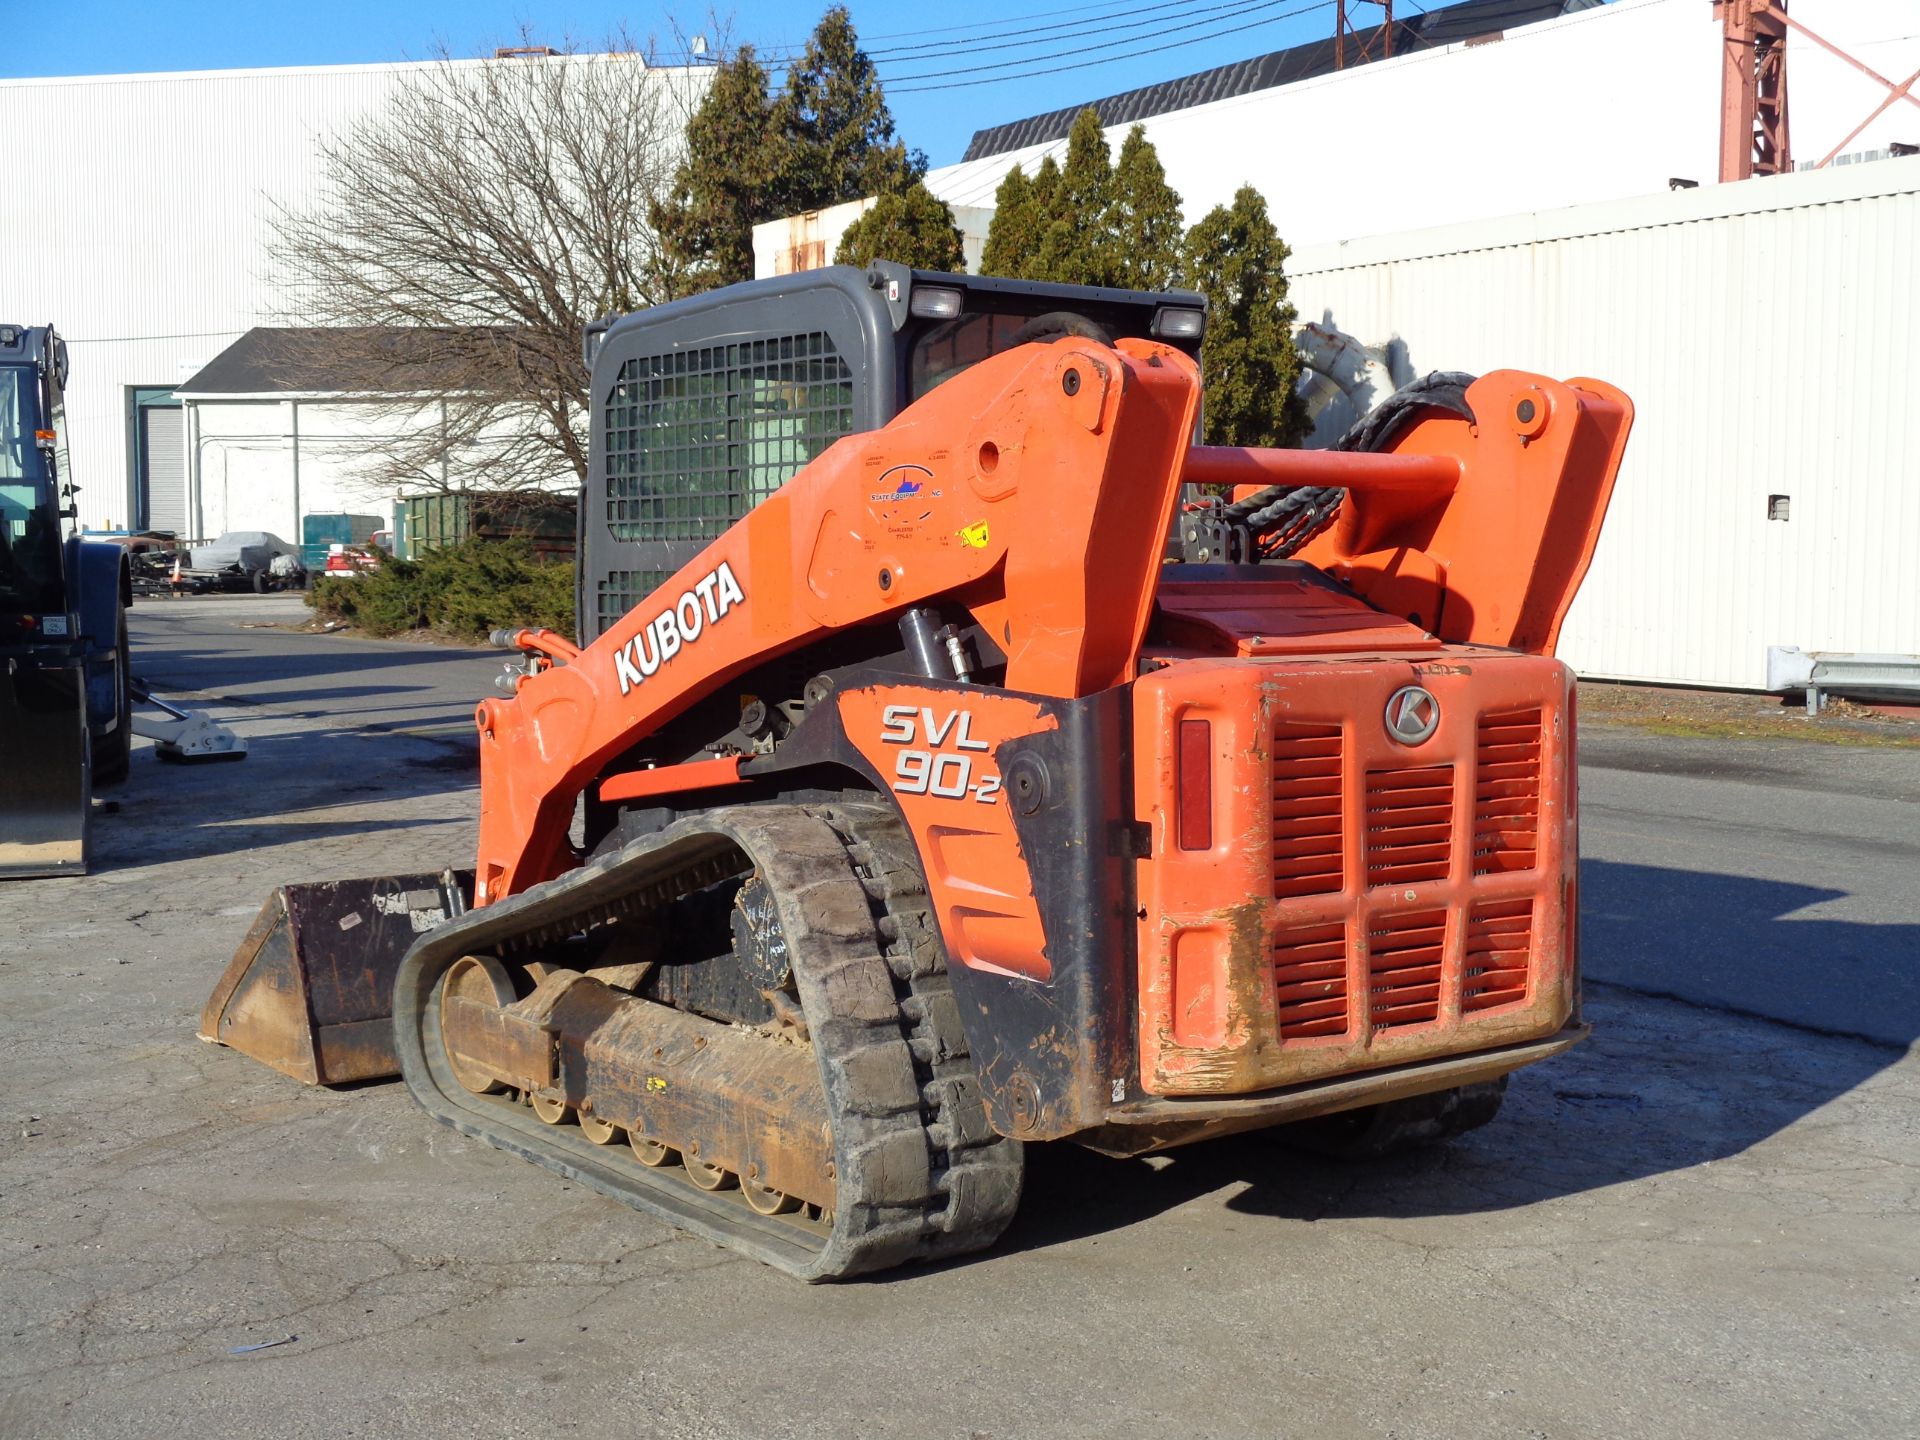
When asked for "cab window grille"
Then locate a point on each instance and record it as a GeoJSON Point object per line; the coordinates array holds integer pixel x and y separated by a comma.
{"type": "Point", "coordinates": [697, 437]}
{"type": "Point", "coordinates": [620, 590]}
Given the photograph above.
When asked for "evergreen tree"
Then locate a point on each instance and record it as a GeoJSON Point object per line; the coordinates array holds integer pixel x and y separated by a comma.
{"type": "Point", "coordinates": [1043, 196]}
{"type": "Point", "coordinates": [1237, 260]}
{"type": "Point", "coordinates": [734, 155]}
{"type": "Point", "coordinates": [750, 158]}
{"type": "Point", "coordinates": [1143, 218]}
{"type": "Point", "coordinates": [840, 140]}
{"type": "Point", "coordinates": [909, 226]}
{"type": "Point", "coordinates": [1089, 222]}
{"type": "Point", "coordinates": [1022, 213]}
{"type": "Point", "coordinates": [1076, 246]}
{"type": "Point", "coordinates": [1010, 237]}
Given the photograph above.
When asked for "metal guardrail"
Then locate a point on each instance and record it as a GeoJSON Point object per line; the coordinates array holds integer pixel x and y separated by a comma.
{"type": "Point", "coordinates": [1821, 672]}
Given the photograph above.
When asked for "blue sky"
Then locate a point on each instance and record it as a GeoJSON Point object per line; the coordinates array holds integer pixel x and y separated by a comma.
{"type": "Point", "coordinates": [918, 46]}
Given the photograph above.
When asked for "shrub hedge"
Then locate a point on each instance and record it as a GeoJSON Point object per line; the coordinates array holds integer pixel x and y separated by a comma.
{"type": "Point", "coordinates": [464, 590]}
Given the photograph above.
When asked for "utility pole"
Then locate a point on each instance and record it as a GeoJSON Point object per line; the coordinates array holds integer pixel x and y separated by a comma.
{"type": "Point", "coordinates": [1343, 31]}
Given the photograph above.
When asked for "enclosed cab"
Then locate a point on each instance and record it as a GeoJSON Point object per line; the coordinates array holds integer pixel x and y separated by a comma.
{"type": "Point", "coordinates": [705, 407]}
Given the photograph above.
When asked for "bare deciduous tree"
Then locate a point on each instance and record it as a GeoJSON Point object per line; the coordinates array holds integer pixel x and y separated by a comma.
{"type": "Point", "coordinates": [465, 234]}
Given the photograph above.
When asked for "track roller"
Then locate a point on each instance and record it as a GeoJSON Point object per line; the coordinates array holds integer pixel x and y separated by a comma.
{"type": "Point", "coordinates": [600, 1132]}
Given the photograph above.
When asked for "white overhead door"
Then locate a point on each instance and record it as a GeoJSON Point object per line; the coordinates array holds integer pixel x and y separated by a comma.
{"type": "Point", "coordinates": [163, 471]}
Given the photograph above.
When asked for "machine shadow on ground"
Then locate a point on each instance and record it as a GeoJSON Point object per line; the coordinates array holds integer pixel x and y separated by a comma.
{"type": "Point", "coordinates": [290, 788]}
{"type": "Point", "coordinates": [1658, 1088]}
{"type": "Point", "coordinates": [1748, 945]}
{"type": "Point", "coordinates": [201, 664]}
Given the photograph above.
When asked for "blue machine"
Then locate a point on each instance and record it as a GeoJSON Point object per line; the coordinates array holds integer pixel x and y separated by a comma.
{"type": "Point", "coordinates": [65, 687]}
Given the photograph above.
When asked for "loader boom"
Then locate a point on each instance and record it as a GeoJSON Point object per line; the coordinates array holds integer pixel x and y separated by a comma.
{"type": "Point", "coordinates": [1036, 488]}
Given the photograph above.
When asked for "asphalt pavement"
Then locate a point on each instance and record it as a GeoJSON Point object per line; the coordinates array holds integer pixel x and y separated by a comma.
{"type": "Point", "coordinates": [1701, 1222]}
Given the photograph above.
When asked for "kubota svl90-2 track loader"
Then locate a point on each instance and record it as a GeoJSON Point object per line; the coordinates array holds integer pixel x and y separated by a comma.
{"type": "Point", "coordinates": [941, 769]}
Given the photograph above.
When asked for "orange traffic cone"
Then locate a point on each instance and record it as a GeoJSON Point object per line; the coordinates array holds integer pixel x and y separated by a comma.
{"type": "Point", "coordinates": [176, 573]}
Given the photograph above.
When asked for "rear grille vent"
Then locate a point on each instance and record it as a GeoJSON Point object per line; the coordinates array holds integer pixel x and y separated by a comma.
{"type": "Point", "coordinates": [1310, 980]}
{"type": "Point", "coordinates": [1506, 792]}
{"type": "Point", "coordinates": [1307, 846]}
{"type": "Point", "coordinates": [1499, 946]}
{"type": "Point", "coordinates": [1409, 825]}
{"type": "Point", "coordinates": [1403, 967]}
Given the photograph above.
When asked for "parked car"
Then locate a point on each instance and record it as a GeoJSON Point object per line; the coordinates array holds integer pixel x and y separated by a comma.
{"type": "Point", "coordinates": [242, 559]}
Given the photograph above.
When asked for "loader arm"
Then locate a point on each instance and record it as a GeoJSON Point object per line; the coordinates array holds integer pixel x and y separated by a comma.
{"type": "Point", "coordinates": [1036, 489]}
{"type": "Point", "coordinates": [1480, 531]}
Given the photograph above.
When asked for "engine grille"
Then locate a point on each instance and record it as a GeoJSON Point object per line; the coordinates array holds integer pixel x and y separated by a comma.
{"type": "Point", "coordinates": [1506, 792]}
{"type": "Point", "coordinates": [1409, 824]}
{"type": "Point", "coordinates": [1405, 955]}
{"type": "Point", "coordinates": [1307, 840]}
{"type": "Point", "coordinates": [1417, 923]}
{"type": "Point", "coordinates": [1499, 944]}
{"type": "Point", "coordinates": [1310, 980]}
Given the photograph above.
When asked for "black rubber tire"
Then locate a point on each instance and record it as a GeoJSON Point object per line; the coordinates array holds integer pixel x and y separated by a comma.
{"type": "Point", "coordinates": [1059, 325]}
{"type": "Point", "coordinates": [1379, 1130]}
{"type": "Point", "coordinates": [113, 751]}
{"type": "Point", "coordinates": [261, 582]}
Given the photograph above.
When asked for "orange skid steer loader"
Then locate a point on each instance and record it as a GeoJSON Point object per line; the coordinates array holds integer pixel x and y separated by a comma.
{"type": "Point", "coordinates": [955, 754]}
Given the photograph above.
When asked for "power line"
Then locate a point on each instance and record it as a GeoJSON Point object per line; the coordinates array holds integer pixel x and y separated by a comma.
{"type": "Point", "coordinates": [1089, 64]}
{"type": "Point", "coordinates": [786, 54]}
{"type": "Point", "coordinates": [791, 51]}
{"type": "Point", "coordinates": [974, 46]}
{"type": "Point", "coordinates": [985, 24]}
{"type": "Point", "coordinates": [128, 339]}
{"type": "Point", "coordinates": [1241, 7]}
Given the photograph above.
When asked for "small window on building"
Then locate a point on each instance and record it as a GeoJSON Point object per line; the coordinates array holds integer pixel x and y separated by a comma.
{"type": "Point", "coordinates": [1777, 506]}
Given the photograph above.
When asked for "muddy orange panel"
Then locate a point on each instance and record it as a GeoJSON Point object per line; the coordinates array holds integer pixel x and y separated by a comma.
{"type": "Point", "coordinates": [934, 749]}
{"type": "Point", "coordinates": [1389, 870]}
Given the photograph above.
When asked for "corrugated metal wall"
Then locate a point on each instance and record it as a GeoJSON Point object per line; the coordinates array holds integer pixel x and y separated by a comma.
{"type": "Point", "coordinates": [1769, 334]}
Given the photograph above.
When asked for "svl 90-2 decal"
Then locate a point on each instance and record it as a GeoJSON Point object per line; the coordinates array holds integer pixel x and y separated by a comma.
{"type": "Point", "coordinates": [930, 767]}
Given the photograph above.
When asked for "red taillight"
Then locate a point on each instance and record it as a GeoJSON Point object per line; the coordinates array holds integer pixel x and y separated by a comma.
{"type": "Point", "coordinates": [1194, 788]}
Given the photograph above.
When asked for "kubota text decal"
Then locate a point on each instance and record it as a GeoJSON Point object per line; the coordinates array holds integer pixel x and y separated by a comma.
{"type": "Point", "coordinates": [681, 623]}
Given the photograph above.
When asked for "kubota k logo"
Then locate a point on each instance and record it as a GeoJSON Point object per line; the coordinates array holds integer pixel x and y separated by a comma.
{"type": "Point", "coordinates": [1412, 714]}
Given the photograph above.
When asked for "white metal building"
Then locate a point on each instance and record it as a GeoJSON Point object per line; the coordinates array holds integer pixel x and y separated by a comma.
{"type": "Point", "coordinates": [1598, 104]}
{"type": "Point", "coordinates": [140, 231]}
{"type": "Point", "coordinates": [1766, 333]}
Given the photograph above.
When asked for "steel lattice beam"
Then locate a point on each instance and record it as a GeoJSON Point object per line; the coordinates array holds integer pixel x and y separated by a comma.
{"type": "Point", "coordinates": [1754, 135]}
{"type": "Point", "coordinates": [1344, 31]}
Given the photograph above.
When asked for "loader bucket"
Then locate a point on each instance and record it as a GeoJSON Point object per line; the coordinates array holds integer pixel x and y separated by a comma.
{"type": "Point", "coordinates": [45, 794]}
{"type": "Point", "coordinates": [310, 990]}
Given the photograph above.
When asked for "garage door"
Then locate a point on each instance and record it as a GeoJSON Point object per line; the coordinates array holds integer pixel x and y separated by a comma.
{"type": "Point", "coordinates": [163, 471]}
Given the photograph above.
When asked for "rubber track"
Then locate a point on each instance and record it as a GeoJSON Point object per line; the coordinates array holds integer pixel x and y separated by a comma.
{"type": "Point", "coordinates": [919, 1173]}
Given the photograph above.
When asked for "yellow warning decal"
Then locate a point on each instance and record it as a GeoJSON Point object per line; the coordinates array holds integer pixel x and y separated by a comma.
{"type": "Point", "coordinates": [975, 534]}
{"type": "Point", "coordinates": [656, 1083]}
